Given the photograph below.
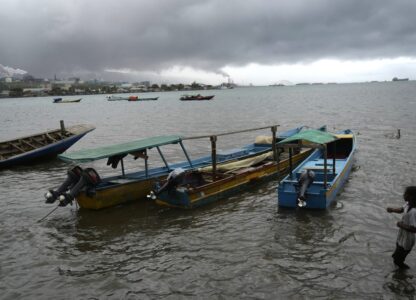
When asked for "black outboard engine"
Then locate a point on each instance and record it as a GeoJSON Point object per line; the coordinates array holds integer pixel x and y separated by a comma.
{"type": "Point", "coordinates": [305, 180]}
{"type": "Point", "coordinates": [174, 178]}
{"type": "Point", "coordinates": [89, 178]}
{"type": "Point", "coordinates": [74, 174]}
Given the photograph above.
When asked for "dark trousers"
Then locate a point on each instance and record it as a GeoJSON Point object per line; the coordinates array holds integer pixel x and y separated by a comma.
{"type": "Point", "coordinates": [399, 255]}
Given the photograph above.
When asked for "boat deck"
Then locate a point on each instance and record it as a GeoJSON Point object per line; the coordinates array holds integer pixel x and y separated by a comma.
{"type": "Point", "coordinates": [222, 156]}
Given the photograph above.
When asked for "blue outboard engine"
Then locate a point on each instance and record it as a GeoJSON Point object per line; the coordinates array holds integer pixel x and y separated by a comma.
{"type": "Point", "coordinates": [305, 180]}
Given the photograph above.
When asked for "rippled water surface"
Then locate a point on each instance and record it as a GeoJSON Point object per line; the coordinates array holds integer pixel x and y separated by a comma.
{"type": "Point", "coordinates": [241, 247]}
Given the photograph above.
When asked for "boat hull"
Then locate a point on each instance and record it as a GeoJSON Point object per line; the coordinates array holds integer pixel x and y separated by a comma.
{"type": "Point", "coordinates": [212, 192]}
{"type": "Point", "coordinates": [116, 195]}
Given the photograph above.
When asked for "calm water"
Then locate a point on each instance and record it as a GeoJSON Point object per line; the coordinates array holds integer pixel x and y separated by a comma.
{"type": "Point", "coordinates": [241, 247]}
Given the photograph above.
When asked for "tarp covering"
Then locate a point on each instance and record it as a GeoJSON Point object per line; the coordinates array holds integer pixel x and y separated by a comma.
{"type": "Point", "coordinates": [119, 149]}
{"type": "Point", "coordinates": [244, 163]}
{"type": "Point", "coordinates": [311, 136]}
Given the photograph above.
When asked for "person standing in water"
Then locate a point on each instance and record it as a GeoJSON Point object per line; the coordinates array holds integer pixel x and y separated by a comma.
{"type": "Point", "coordinates": [407, 227]}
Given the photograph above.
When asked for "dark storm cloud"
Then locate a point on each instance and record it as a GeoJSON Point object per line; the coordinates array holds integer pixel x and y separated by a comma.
{"type": "Point", "coordinates": [45, 37]}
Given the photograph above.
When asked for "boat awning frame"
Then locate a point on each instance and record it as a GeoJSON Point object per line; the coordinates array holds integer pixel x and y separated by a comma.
{"type": "Point", "coordinates": [89, 155]}
{"type": "Point", "coordinates": [309, 138]}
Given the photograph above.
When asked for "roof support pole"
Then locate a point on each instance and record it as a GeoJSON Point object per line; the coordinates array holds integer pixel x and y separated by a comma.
{"type": "Point", "coordinates": [290, 164]}
{"type": "Point", "coordinates": [274, 130]}
{"type": "Point", "coordinates": [334, 157]}
{"type": "Point", "coordinates": [213, 139]}
{"type": "Point", "coordinates": [163, 158]}
{"type": "Point", "coordinates": [186, 154]}
{"type": "Point", "coordinates": [122, 168]}
{"type": "Point", "coordinates": [325, 166]}
{"type": "Point", "coordinates": [146, 166]}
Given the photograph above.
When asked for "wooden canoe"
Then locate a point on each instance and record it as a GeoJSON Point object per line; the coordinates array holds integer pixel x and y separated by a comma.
{"type": "Point", "coordinates": [44, 145]}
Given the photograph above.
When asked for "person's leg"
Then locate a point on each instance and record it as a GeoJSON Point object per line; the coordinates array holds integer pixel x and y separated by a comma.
{"type": "Point", "coordinates": [399, 256]}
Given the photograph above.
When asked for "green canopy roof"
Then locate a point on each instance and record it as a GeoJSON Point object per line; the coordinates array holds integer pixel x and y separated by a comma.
{"type": "Point", "coordinates": [312, 136]}
{"type": "Point", "coordinates": [119, 149]}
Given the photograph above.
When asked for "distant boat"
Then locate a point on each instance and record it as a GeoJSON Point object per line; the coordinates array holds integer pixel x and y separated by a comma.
{"type": "Point", "coordinates": [39, 146]}
{"type": "Point", "coordinates": [116, 98]}
{"type": "Point", "coordinates": [316, 181]}
{"type": "Point", "coordinates": [143, 99]}
{"type": "Point", "coordinates": [196, 97]}
{"type": "Point", "coordinates": [400, 79]}
{"type": "Point", "coordinates": [60, 100]}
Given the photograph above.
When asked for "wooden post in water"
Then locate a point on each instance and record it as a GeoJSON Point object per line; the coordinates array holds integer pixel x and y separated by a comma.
{"type": "Point", "coordinates": [63, 130]}
{"type": "Point", "coordinates": [325, 166]}
{"type": "Point", "coordinates": [213, 139]}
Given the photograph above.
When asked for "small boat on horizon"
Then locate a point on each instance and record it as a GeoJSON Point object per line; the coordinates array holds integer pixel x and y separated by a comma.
{"type": "Point", "coordinates": [60, 100]}
{"type": "Point", "coordinates": [316, 181]}
{"type": "Point", "coordinates": [143, 99]}
{"type": "Point", "coordinates": [40, 146]}
{"type": "Point", "coordinates": [196, 97]}
{"type": "Point", "coordinates": [130, 98]}
{"type": "Point", "coordinates": [116, 98]}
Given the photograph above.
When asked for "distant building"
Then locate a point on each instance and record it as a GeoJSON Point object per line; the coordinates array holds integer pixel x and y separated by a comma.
{"type": "Point", "coordinates": [4, 94]}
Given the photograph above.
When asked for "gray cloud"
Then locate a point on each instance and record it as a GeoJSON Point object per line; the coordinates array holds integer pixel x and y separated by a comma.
{"type": "Point", "coordinates": [86, 37]}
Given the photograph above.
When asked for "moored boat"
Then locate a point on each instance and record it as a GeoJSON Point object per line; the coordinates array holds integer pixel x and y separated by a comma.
{"type": "Point", "coordinates": [116, 98]}
{"type": "Point", "coordinates": [195, 188]}
{"type": "Point", "coordinates": [316, 181]}
{"type": "Point", "coordinates": [133, 186]}
{"type": "Point", "coordinates": [60, 100]}
{"type": "Point", "coordinates": [144, 99]}
{"type": "Point", "coordinates": [48, 144]}
{"type": "Point", "coordinates": [196, 97]}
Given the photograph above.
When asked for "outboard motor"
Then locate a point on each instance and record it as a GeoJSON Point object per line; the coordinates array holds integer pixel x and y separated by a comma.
{"type": "Point", "coordinates": [174, 178]}
{"type": "Point", "coordinates": [89, 178]}
{"type": "Point", "coordinates": [74, 174]}
{"type": "Point", "coordinates": [305, 180]}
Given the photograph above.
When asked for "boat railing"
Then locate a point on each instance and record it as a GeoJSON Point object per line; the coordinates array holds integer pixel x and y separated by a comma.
{"type": "Point", "coordinates": [213, 139]}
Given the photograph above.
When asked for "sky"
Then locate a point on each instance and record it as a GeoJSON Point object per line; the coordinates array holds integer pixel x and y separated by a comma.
{"type": "Point", "coordinates": [257, 42]}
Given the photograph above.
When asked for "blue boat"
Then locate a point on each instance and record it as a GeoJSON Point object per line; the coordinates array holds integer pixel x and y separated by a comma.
{"type": "Point", "coordinates": [315, 182]}
{"type": "Point", "coordinates": [40, 146]}
{"type": "Point", "coordinates": [136, 185]}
